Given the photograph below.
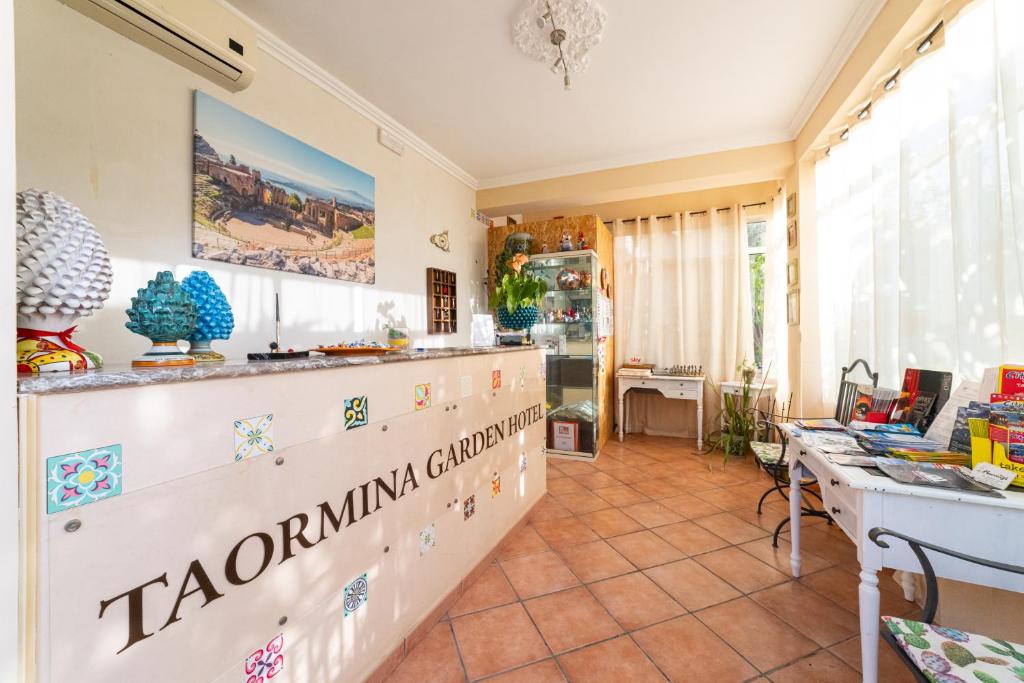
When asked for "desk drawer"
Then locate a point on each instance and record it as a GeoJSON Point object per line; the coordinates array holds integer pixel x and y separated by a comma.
{"type": "Point", "coordinates": [672, 388]}
{"type": "Point", "coordinates": [841, 505]}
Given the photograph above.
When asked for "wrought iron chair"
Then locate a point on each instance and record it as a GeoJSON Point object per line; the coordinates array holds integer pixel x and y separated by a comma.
{"type": "Point", "coordinates": [771, 456]}
{"type": "Point", "coordinates": [939, 653]}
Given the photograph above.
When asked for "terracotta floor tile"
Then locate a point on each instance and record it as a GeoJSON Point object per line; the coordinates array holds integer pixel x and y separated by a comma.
{"type": "Point", "coordinates": [498, 639]}
{"type": "Point", "coordinates": [690, 538]}
{"type": "Point", "coordinates": [525, 541]}
{"type": "Point", "coordinates": [660, 470]}
{"type": "Point", "coordinates": [757, 634]}
{"type": "Point", "coordinates": [609, 463]}
{"type": "Point", "coordinates": [545, 671]}
{"type": "Point", "coordinates": [580, 503]}
{"type": "Point", "coordinates": [433, 659]}
{"type": "Point", "coordinates": [622, 495]}
{"type": "Point", "coordinates": [560, 533]}
{"type": "Point", "coordinates": [565, 485]}
{"type": "Point", "coordinates": [890, 667]}
{"type": "Point", "coordinates": [549, 508]}
{"type": "Point", "coordinates": [598, 480]}
{"type": "Point", "coordinates": [779, 557]}
{"type": "Point", "coordinates": [843, 588]}
{"type": "Point", "coordinates": [834, 548]}
{"type": "Point", "coordinates": [689, 506]}
{"type": "Point", "coordinates": [813, 615]}
{"type": "Point", "coordinates": [534, 575]}
{"type": "Point", "coordinates": [730, 527]}
{"type": "Point", "coordinates": [610, 522]}
{"type": "Point", "coordinates": [577, 468]}
{"type": "Point", "coordinates": [657, 488]}
{"type": "Point", "coordinates": [688, 651]}
{"type": "Point", "coordinates": [652, 514]}
{"type": "Point", "coordinates": [635, 601]}
{"type": "Point", "coordinates": [571, 619]}
{"type": "Point", "coordinates": [490, 590]}
{"type": "Point", "coordinates": [613, 661]}
{"type": "Point", "coordinates": [693, 586]}
{"type": "Point", "coordinates": [553, 472]}
{"type": "Point", "coordinates": [630, 474]}
{"type": "Point", "coordinates": [821, 667]}
{"type": "Point", "coordinates": [691, 482]}
{"type": "Point", "coordinates": [741, 570]}
{"type": "Point", "coordinates": [727, 498]}
{"type": "Point", "coordinates": [595, 561]}
{"type": "Point", "coordinates": [645, 549]}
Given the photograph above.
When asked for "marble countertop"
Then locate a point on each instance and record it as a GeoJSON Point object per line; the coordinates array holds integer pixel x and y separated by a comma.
{"type": "Point", "coordinates": [109, 378]}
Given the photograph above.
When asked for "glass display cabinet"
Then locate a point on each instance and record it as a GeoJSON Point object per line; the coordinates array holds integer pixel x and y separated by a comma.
{"type": "Point", "coordinates": [573, 324]}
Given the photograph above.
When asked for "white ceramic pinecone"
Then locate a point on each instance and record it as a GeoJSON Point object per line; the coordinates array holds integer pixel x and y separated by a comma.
{"type": "Point", "coordinates": [63, 268]}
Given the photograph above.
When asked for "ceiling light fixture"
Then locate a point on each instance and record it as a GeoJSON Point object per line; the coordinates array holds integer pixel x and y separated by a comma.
{"type": "Point", "coordinates": [575, 28]}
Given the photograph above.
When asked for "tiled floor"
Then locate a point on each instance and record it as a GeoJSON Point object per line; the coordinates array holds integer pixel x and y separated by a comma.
{"type": "Point", "coordinates": [651, 564]}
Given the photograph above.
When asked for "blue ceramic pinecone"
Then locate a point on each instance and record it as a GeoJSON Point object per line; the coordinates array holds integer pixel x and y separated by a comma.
{"type": "Point", "coordinates": [215, 320]}
{"type": "Point", "coordinates": [162, 311]}
{"type": "Point", "coordinates": [523, 318]}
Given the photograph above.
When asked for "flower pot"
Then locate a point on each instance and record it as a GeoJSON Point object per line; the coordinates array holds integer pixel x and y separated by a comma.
{"type": "Point", "coordinates": [523, 318]}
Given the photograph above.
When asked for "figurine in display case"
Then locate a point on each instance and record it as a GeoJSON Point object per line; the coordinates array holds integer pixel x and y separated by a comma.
{"type": "Point", "coordinates": [566, 243]}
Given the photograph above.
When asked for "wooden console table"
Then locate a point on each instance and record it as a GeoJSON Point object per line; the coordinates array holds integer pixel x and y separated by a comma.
{"type": "Point", "coordinates": [686, 388]}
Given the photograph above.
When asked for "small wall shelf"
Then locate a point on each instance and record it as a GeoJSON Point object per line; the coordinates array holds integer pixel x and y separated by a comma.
{"type": "Point", "coordinates": [442, 303]}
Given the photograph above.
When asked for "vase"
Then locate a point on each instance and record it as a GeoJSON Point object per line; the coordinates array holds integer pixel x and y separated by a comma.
{"type": "Point", "coordinates": [164, 312]}
{"type": "Point", "coordinates": [63, 274]}
{"type": "Point", "coordinates": [521, 319]}
{"type": "Point", "coordinates": [518, 243]}
{"type": "Point", "coordinates": [214, 319]}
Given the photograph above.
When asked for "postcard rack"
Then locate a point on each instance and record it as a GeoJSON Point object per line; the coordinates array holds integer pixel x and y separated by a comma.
{"type": "Point", "coordinates": [442, 306]}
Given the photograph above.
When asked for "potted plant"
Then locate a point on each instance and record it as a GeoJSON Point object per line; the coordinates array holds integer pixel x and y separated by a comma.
{"type": "Point", "coordinates": [517, 294]}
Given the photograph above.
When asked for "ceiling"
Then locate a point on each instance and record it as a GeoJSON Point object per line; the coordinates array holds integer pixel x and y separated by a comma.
{"type": "Point", "coordinates": [670, 78]}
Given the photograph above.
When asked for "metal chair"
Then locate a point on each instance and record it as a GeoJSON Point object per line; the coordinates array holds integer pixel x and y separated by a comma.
{"type": "Point", "coordinates": [779, 469]}
{"type": "Point", "coordinates": [930, 651]}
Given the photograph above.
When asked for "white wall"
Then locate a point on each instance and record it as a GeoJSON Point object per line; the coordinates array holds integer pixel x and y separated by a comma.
{"type": "Point", "coordinates": [108, 124]}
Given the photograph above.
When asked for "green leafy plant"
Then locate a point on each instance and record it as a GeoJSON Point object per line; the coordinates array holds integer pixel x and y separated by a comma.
{"type": "Point", "coordinates": [739, 420]}
{"type": "Point", "coordinates": [518, 289]}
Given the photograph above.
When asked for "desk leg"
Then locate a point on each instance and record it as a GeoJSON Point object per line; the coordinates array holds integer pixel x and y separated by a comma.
{"type": "Point", "coordinates": [869, 615]}
{"type": "Point", "coordinates": [700, 420]}
{"type": "Point", "coordinates": [795, 473]}
{"type": "Point", "coordinates": [622, 414]}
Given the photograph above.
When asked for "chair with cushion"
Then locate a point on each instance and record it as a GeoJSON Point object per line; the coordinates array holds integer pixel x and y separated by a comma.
{"type": "Point", "coordinates": [771, 455]}
{"type": "Point", "coordinates": [939, 654]}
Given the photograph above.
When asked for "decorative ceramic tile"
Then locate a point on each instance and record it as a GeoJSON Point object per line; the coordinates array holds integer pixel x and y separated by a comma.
{"type": "Point", "coordinates": [522, 462]}
{"type": "Point", "coordinates": [522, 377]}
{"type": "Point", "coordinates": [495, 486]}
{"type": "Point", "coordinates": [428, 539]}
{"type": "Point", "coordinates": [422, 396]}
{"type": "Point", "coordinates": [75, 479]}
{"type": "Point", "coordinates": [357, 411]}
{"type": "Point", "coordinates": [356, 594]}
{"type": "Point", "coordinates": [467, 386]}
{"type": "Point", "coordinates": [495, 379]}
{"type": "Point", "coordinates": [254, 436]}
{"type": "Point", "coordinates": [265, 662]}
{"type": "Point", "coordinates": [469, 507]}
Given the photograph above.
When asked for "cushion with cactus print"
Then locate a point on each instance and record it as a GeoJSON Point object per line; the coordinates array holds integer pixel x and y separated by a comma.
{"type": "Point", "coordinates": [948, 655]}
{"type": "Point", "coordinates": [768, 453]}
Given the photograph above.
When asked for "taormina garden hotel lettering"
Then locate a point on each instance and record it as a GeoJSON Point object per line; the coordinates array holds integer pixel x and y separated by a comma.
{"type": "Point", "coordinates": [511, 341]}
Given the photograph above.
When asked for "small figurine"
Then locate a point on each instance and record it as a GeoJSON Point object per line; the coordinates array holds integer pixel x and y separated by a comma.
{"type": "Point", "coordinates": [544, 248]}
{"type": "Point", "coordinates": [566, 243]}
{"type": "Point", "coordinates": [582, 242]}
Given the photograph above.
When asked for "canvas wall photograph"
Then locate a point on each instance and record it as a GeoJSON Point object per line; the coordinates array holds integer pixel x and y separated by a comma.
{"type": "Point", "coordinates": [262, 198]}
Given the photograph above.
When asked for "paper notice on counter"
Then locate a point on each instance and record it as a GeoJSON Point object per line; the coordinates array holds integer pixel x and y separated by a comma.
{"type": "Point", "coordinates": [988, 474]}
{"type": "Point", "coordinates": [941, 428]}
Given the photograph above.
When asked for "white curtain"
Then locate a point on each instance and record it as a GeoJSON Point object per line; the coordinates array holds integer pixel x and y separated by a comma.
{"type": "Point", "coordinates": [682, 296]}
{"type": "Point", "coordinates": [920, 214]}
{"type": "Point", "coordinates": [776, 326]}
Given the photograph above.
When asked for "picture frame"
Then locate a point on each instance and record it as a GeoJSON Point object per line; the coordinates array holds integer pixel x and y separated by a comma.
{"type": "Point", "coordinates": [793, 273]}
{"type": "Point", "coordinates": [791, 206]}
{"type": "Point", "coordinates": [793, 307]}
{"type": "Point", "coordinates": [791, 234]}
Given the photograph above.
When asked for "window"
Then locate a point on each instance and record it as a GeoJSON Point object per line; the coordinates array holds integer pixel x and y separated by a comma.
{"type": "Point", "coordinates": [757, 230]}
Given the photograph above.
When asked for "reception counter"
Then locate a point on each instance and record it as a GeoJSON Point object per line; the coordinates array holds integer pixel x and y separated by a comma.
{"type": "Point", "coordinates": [298, 521]}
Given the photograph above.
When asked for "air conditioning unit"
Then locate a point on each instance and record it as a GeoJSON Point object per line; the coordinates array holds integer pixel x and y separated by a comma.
{"type": "Point", "coordinates": [200, 35]}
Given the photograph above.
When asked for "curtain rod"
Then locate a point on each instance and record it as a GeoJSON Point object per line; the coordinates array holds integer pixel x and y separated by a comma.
{"type": "Point", "coordinates": [692, 213]}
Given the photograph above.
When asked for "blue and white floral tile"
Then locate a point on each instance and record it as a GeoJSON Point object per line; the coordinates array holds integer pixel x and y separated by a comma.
{"type": "Point", "coordinates": [357, 412]}
{"type": "Point", "coordinates": [75, 479]}
{"type": "Point", "coordinates": [254, 436]}
{"type": "Point", "coordinates": [356, 594]}
{"type": "Point", "coordinates": [428, 539]}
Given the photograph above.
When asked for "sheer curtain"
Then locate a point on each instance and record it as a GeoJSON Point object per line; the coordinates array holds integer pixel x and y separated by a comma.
{"type": "Point", "coordinates": [682, 295]}
{"type": "Point", "coordinates": [776, 327]}
{"type": "Point", "coordinates": [920, 213]}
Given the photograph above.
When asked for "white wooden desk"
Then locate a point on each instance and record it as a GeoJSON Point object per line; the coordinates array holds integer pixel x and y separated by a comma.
{"type": "Point", "coordinates": [859, 501]}
{"type": "Point", "coordinates": [735, 388]}
{"type": "Point", "coordinates": [686, 388]}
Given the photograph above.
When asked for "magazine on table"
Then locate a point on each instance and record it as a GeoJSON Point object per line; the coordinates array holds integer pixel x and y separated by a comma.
{"type": "Point", "coordinates": [935, 475]}
{"type": "Point", "coordinates": [833, 442]}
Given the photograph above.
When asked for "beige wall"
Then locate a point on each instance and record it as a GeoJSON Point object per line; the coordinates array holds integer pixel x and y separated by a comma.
{"type": "Point", "coordinates": [108, 124]}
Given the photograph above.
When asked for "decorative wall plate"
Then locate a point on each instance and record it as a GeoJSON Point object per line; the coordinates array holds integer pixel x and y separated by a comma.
{"type": "Point", "coordinates": [440, 240]}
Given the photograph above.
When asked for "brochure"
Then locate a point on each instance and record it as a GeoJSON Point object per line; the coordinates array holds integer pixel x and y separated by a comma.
{"type": "Point", "coordinates": [937, 475]}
